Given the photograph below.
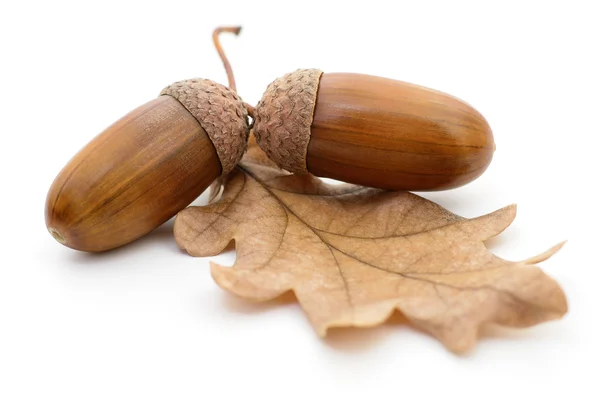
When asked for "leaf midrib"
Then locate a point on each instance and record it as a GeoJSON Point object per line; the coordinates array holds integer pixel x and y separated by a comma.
{"type": "Point", "coordinates": [331, 247]}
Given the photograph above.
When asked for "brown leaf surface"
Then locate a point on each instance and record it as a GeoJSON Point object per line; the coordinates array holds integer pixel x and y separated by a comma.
{"type": "Point", "coordinates": [352, 255]}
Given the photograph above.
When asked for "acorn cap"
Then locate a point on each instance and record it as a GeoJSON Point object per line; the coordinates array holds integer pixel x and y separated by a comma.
{"type": "Point", "coordinates": [283, 118]}
{"type": "Point", "coordinates": [220, 112]}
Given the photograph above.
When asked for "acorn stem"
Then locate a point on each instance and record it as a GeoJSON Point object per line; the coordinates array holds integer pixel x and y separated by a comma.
{"type": "Point", "coordinates": [250, 109]}
{"type": "Point", "coordinates": [228, 29]}
{"type": "Point", "coordinates": [235, 30]}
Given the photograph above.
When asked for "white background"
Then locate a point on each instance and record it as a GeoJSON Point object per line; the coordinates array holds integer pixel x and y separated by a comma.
{"type": "Point", "coordinates": [148, 320]}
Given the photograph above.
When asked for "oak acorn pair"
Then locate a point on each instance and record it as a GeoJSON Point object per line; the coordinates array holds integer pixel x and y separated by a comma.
{"type": "Point", "coordinates": [157, 159]}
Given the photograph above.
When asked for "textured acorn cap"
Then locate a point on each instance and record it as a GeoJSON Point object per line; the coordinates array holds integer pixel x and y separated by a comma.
{"type": "Point", "coordinates": [283, 117]}
{"type": "Point", "coordinates": [220, 112]}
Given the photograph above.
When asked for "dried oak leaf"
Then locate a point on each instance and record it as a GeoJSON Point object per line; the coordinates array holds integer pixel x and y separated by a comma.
{"type": "Point", "coordinates": [352, 255]}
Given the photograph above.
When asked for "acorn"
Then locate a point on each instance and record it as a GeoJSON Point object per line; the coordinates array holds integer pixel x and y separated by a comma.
{"type": "Point", "coordinates": [147, 166]}
{"type": "Point", "coordinates": [372, 131]}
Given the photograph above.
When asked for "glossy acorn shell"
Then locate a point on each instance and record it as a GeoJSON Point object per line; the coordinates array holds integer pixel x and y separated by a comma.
{"type": "Point", "coordinates": [131, 178]}
{"type": "Point", "coordinates": [374, 131]}
{"type": "Point", "coordinates": [394, 135]}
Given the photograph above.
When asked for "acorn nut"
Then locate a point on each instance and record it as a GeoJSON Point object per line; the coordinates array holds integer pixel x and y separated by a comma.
{"type": "Point", "coordinates": [372, 131]}
{"type": "Point", "coordinates": [147, 166]}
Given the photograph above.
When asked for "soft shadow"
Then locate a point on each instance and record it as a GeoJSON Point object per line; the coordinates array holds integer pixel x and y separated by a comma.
{"type": "Point", "coordinates": [445, 200]}
{"type": "Point", "coordinates": [494, 331]}
{"type": "Point", "coordinates": [242, 306]}
{"type": "Point", "coordinates": [230, 247]}
{"type": "Point", "coordinates": [350, 339]}
{"type": "Point", "coordinates": [496, 241]}
{"type": "Point", "coordinates": [161, 236]}
{"type": "Point", "coordinates": [359, 339]}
